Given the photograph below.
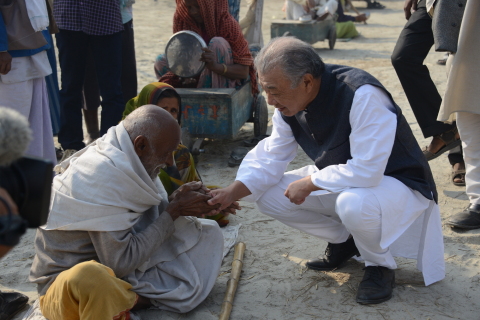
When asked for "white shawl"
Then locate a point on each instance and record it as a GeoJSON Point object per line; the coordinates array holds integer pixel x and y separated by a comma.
{"type": "Point", "coordinates": [104, 187]}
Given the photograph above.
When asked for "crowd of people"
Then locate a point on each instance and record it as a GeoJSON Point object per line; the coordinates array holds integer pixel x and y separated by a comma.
{"type": "Point", "coordinates": [128, 205]}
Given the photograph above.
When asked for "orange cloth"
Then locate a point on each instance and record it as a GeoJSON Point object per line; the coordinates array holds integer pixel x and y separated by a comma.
{"type": "Point", "coordinates": [218, 22]}
{"type": "Point", "coordinates": [88, 291]}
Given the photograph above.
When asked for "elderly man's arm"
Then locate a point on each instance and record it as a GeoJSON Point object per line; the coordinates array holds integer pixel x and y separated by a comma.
{"type": "Point", "coordinates": [124, 251]}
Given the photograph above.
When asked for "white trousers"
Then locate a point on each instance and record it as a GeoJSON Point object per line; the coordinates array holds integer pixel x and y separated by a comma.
{"type": "Point", "coordinates": [30, 98]}
{"type": "Point", "coordinates": [357, 211]}
{"type": "Point", "coordinates": [469, 128]}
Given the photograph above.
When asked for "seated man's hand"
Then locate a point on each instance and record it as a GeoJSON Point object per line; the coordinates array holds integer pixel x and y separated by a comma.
{"type": "Point", "coordinates": [191, 200]}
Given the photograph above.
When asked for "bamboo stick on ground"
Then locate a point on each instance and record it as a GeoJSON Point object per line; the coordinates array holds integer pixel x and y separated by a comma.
{"type": "Point", "coordinates": [232, 283]}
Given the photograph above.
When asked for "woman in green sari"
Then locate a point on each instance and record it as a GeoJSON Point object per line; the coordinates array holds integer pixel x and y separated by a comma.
{"type": "Point", "coordinates": [165, 96]}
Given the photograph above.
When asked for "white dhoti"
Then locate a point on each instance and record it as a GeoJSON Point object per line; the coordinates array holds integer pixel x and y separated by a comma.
{"type": "Point", "coordinates": [24, 90]}
{"type": "Point", "coordinates": [385, 221]}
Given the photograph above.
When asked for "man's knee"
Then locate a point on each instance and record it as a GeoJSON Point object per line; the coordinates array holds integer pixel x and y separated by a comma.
{"type": "Point", "coordinates": [86, 276]}
{"type": "Point", "coordinates": [356, 208]}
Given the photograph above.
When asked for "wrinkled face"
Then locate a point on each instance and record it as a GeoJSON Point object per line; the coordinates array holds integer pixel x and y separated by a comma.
{"type": "Point", "coordinates": [170, 105]}
{"type": "Point", "coordinates": [160, 153]}
{"type": "Point", "coordinates": [280, 93]}
{"type": "Point", "coordinates": [194, 10]}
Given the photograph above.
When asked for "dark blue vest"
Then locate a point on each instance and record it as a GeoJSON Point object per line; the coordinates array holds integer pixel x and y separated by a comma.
{"type": "Point", "coordinates": [323, 130]}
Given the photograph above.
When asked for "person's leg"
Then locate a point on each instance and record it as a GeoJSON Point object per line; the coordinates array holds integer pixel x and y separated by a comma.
{"type": "Point", "coordinates": [360, 212]}
{"type": "Point", "coordinates": [71, 55]}
{"type": "Point", "coordinates": [129, 65]}
{"type": "Point", "coordinates": [107, 54]}
{"type": "Point", "coordinates": [223, 54]}
{"type": "Point", "coordinates": [88, 291]}
{"type": "Point", "coordinates": [160, 66]}
{"type": "Point", "coordinates": [316, 216]}
{"type": "Point", "coordinates": [30, 99]}
{"type": "Point", "coordinates": [412, 47]}
{"type": "Point", "coordinates": [468, 126]}
{"type": "Point", "coordinates": [91, 96]}
{"type": "Point", "coordinates": [455, 157]}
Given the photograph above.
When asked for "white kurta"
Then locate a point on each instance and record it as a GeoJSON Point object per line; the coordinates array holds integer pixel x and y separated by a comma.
{"type": "Point", "coordinates": [408, 224]}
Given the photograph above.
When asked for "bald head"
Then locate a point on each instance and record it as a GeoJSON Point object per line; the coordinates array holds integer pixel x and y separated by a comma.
{"type": "Point", "coordinates": [155, 135]}
{"type": "Point", "coordinates": [152, 122]}
{"type": "Point", "coordinates": [292, 56]}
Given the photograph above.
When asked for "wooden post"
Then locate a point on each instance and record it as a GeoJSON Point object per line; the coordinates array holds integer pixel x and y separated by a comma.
{"type": "Point", "coordinates": [232, 283]}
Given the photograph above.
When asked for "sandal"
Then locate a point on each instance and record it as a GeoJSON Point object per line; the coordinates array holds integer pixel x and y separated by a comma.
{"type": "Point", "coordinates": [458, 174]}
{"type": "Point", "coordinates": [253, 142]}
{"type": "Point", "coordinates": [448, 138]}
{"type": "Point", "coordinates": [375, 5]}
{"type": "Point", "coordinates": [237, 155]}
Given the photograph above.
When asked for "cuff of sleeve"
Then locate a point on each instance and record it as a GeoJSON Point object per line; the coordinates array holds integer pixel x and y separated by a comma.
{"type": "Point", "coordinates": [166, 221]}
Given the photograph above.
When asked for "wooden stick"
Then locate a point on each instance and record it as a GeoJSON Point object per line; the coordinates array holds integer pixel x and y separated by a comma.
{"type": "Point", "coordinates": [232, 283]}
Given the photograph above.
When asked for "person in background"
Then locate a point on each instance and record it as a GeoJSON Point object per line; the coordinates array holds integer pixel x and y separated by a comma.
{"type": "Point", "coordinates": [84, 25]}
{"type": "Point", "coordinates": [413, 46]}
{"type": "Point", "coordinates": [227, 59]}
{"type": "Point", "coordinates": [23, 68]}
{"type": "Point", "coordinates": [345, 23]}
{"type": "Point", "coordinates": [91, 92]}
{"type": "Point", "coordinates": [462, 98]}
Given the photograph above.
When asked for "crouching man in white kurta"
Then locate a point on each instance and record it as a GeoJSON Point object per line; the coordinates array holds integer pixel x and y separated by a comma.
{"type": "Point", "coordinates": [370, 192]}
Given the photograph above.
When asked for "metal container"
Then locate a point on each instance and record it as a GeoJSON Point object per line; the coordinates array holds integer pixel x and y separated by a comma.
{"type": "Point", "coordinates": [183, 53]}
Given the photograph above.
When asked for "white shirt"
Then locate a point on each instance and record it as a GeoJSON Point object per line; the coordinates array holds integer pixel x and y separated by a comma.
{"type": "Point", "coordinates": [373, 123]}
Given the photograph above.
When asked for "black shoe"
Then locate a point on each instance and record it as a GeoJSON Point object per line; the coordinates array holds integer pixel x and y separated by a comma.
{"type": "Point", "coordinates": [467, 219]}
{"type": "Point", "coordinates": [11, 303]}
{"type": "Point", "coordinates": [376, 286]}
{"type": "Point", "coordinates": [335, 255]}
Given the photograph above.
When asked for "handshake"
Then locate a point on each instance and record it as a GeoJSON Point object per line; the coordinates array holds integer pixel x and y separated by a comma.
{"type": "Point", "coordinates": [191, 199]}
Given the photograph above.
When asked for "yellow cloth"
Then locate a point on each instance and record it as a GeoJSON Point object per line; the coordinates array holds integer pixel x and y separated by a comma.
{"type": "Point", "coordinates": [88, 291]}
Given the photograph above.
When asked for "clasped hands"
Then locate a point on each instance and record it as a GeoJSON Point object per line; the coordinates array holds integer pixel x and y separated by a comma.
{"type": "Point", "coordinates": [191, 199]}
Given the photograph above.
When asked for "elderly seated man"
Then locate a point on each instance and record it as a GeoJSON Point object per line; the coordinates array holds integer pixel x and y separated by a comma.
{"type": "Point", "coordinates": [113, 240]}
{"type": "Point", "coordinates": [370, 192]}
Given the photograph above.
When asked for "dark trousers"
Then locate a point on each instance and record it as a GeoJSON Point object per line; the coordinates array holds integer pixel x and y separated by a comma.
{"type": "Point", "coordinates": [107, 56]}
{"type": "Point", "coordinates": [411, 49]}
{"type": "Point", "coordinates": [129, 72]}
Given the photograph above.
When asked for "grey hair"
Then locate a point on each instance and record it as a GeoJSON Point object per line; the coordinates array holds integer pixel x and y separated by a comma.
{"type": "Point", "coordinates": [15, 135]}
{"type": "Point", "coordinates": [294, 57]}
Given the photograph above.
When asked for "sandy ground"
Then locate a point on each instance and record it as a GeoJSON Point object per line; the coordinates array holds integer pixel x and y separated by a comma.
{"type": "Point", "coordinates": [275, 284]}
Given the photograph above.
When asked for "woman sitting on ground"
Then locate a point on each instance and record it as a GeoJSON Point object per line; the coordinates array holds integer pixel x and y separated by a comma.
{"type": "Point", "coordinates": [183, 169]}
{"type": "Point", "coordinates": [227, 58]}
